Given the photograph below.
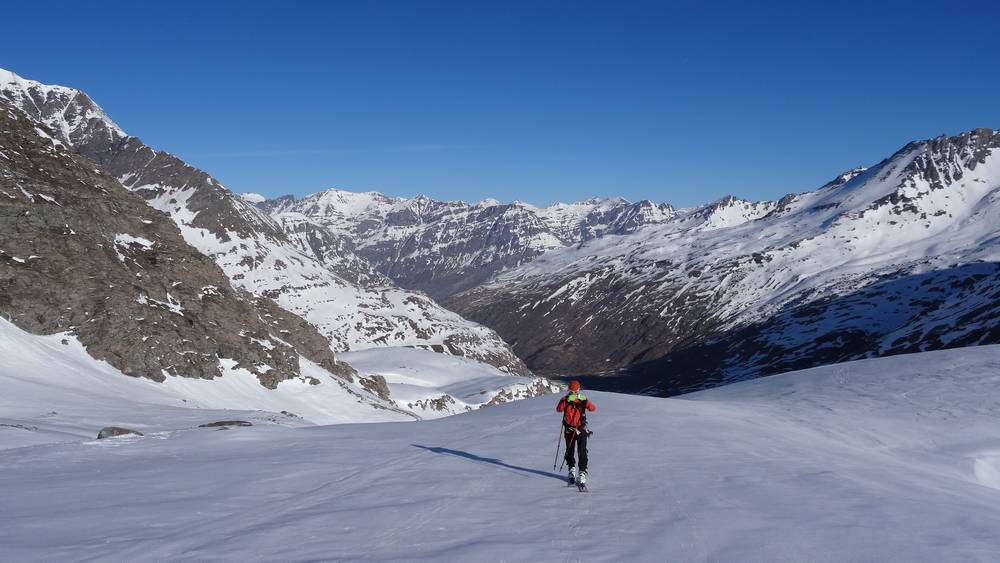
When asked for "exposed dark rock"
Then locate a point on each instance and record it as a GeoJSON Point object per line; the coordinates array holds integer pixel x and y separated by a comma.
{"type": "Point", "coordinates": [225, 423]}
{"type": "Point", "coordinates": [112, 431]}
{"type": "Point", "coordinates": [439, 404]}
{"type": "Point", "coordinates": [376, 385]}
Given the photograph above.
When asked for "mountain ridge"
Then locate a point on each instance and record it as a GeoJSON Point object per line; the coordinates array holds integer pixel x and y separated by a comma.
{"type": "Point", "coordinates": [244, 298]}
{"type": "Point", "coordinates": [684, 284]}
{"type": "Point", "coordinates": [442, 247]}
{"type": "Point", "coordinates": [252, 248]}
{"type": "Point", "coordinates": [704, 250]}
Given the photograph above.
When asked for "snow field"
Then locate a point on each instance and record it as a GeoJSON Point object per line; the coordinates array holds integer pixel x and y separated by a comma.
{"type": "Point", "coordinates": [879, 460]}
{"type": "Point", "coordinates": [417, 376]}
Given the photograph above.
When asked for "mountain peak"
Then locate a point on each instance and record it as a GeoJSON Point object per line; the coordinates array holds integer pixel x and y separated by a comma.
{"type": "Point", "coordinates": [68, 111]}
{"type": "Point", "coordinates": [8, 77]}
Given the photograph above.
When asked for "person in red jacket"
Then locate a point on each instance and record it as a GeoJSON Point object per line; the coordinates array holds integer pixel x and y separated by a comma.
{"type": "Point", "coordinates": [574, 407]}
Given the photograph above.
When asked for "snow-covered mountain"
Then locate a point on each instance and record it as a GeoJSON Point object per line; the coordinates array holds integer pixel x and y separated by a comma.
{"type": "Point", "coordinates": [892, 459]}
{"type": "Point", "coordinates": [900, 257]}
{"type": "Point", "coordinates": [80, 253]}
{"type": "Point", "coordinates": [89, 263]}
{"type": "Point", "coordinates": [335, 291]}
{"type": "Point", "coordinates": [445, 247]}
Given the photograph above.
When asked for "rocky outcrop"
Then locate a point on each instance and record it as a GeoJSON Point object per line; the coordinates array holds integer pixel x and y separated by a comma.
{"type": "Point", "coordinates": [225, 424]}
{"type": "Point", "coordinates": [80, 253]}
{"type": "Point", "coordinates": [376, 385]}
{"type": "Point", "coordinates": [114, 431]}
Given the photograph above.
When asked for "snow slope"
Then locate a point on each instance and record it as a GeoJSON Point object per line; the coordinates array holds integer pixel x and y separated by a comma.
{"type": "Point", "coordinates": [50, 384]}
{"type": "Point", "coordinates": [434, 385]}
{"type": "Point", "coordinates": [892, 459]}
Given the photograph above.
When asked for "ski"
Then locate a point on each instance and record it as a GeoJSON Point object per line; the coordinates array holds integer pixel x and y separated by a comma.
{"type": "Point", "coordinates": [582, 488]}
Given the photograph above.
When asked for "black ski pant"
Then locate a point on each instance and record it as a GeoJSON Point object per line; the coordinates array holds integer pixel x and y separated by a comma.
{"type": "Point", "coordinates": [576, 438]}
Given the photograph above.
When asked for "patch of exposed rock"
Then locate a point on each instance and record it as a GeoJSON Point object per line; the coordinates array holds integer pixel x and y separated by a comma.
{"type": "Point", "coordinates": [225, 423]}
{"type": "Point", "coordinates": [440, 404]}
{"type": "Point", "coordinates": [113, 431]}
{"type": "Point", "coordinates": [376, 385]}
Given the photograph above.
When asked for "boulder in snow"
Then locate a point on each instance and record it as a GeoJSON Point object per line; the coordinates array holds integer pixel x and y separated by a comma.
{"type": "Point", "coordinates": [112, 431]}
{"type": "Point", "coordinates": [224, 423]}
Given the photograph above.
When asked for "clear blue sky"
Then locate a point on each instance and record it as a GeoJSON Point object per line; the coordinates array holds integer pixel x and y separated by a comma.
{"type": "Point", "coordinates": [540, 101]}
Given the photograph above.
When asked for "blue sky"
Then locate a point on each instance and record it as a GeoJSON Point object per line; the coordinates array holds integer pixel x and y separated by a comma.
{"type": "Point", "coordinates": [540, 101]}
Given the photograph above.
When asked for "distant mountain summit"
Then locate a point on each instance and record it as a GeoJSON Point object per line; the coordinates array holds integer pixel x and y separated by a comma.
{"type": "Point", "coordinates": [899, 257]}
{"type": "Point", "coordinates": [446, 247]}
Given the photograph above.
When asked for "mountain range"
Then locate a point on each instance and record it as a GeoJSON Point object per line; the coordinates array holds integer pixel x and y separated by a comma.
{"type": "Point", "coordinates": [442, 247]}
{"type": "Point", "coordinates": [162, 271]}
{"type": "Point", "coordinates": [642, 297]}
{"type": "Point", "coordinates": [897, 257]}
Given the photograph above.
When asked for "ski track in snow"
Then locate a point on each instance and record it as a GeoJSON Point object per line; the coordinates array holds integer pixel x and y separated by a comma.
{"type": "Point", "coordinates": [892, 459]}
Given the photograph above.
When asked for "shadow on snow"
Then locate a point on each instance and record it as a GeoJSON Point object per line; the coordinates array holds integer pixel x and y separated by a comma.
{"type": "Point", "coordinates": [493, 461]}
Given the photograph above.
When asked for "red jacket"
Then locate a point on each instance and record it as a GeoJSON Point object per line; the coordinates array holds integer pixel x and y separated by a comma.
{"type": "Point", "coordinates": [574, 412]}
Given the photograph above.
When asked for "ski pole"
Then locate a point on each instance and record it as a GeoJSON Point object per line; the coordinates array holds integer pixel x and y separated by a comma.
{"type": "Point", "coordinates": [558, 443]}
{"type": "Point", "coordinates": [569, 447]}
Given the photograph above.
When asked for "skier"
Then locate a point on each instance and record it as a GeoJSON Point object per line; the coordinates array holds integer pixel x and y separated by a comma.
{"type": "Point", "coordinates": [574, 407]}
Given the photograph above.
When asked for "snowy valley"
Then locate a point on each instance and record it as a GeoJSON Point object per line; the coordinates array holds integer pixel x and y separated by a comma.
{"type": "Point", "coordinates": [892, 459]}
{"type": "Point", "coordinates": [898, 257]}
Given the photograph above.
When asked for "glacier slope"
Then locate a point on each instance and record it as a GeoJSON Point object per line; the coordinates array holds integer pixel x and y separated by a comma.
{"type": "Point", "coordinates": [891, 459]}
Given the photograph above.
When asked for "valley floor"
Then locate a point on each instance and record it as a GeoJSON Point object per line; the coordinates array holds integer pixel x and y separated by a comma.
{"type": "Point", "coordinates": [895, 459]}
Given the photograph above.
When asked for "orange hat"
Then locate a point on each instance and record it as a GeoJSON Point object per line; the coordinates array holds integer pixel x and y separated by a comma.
{"type": "Point", "coordinates": [574, 385]}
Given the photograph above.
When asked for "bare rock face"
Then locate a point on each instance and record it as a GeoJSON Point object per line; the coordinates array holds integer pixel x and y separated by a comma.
{"type": "Point", "coordinates": [903, 313]}
{"type": "Point", "coordinates": [377, 385]}
{"type": "Point", "coordinates": [80, 253]}
{"type": "Point", "coordinates": [113, 431]}
{"type": "Point", "coordinates": [292, 328]}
